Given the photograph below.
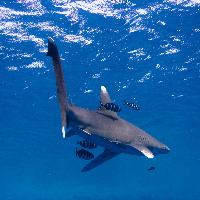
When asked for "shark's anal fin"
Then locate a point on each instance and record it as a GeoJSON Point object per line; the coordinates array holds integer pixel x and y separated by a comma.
{"type": "Point", "coordinates": [60, 81]}
{"type": "Point", "coordinates": [105, 156]}
{"type": "Point", "coordinates": [142, 149]}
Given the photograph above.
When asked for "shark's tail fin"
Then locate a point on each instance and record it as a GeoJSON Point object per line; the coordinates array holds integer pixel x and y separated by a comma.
{"type": "Point", "coordinates": [60, 82]}
{"type": "Point", "coordinates": [124, 102]}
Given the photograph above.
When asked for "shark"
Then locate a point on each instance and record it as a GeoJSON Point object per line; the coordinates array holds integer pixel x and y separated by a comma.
{"type": "Point", "coordinates": [101, 126]}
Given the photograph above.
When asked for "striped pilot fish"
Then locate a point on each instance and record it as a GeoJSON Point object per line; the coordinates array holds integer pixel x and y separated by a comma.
{"type": "Point", "coordinates": [87, 144]}
{"type": "Point", "coordinates": [84, 154]}
{"type": "Point", "coordinates": [112, 107]}
{"type": "Point", "coordinates": [132, 105]}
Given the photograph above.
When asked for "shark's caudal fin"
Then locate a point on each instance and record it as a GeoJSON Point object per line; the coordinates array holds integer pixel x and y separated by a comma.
{"type": "Point", "coordinates": [60, 81]}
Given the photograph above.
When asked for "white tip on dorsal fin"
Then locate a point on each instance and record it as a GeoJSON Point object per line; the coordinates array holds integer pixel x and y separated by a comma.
{"type": "Point", "coordinates": [103, 89]}
{"type": "Point", "coordinates": [105, 98]}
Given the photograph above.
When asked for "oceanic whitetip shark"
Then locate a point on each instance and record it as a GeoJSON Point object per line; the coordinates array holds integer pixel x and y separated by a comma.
{"type": "Point", "coordinates": [101, 127]}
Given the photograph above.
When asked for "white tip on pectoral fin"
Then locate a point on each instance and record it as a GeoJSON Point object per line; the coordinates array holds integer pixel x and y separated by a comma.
{"type": "Point", "coordinates": [147, 153]}
{"type": "Point", "coordinates": [143, 149]}
{"type": "Point", "coordinates": [63, 131]}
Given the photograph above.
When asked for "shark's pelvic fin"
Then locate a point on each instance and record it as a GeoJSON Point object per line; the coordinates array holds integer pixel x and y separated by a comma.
{"type": "Point", "coordinates": [105, 156]}
{"type": "Point", "coordinates": [143, 149]}
{"type": "Point", "coordinates": [60, 81]}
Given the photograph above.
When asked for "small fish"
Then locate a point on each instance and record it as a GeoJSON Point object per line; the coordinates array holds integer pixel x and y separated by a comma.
{"type": "Point", "coordinates": [87, 144]}
{"type": "Point", "coordinates": [132, 105]}
{"type": "Point", "coordinates": [112, 107]}
{"type": "Point", "coordinates": [152, 168]}
{"type": "Point", "coordinates": [84, 154]}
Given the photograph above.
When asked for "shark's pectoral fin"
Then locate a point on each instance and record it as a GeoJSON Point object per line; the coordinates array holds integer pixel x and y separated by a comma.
{"type": "Point", "coordinates": [143, 149]}
{"type": "Point", "coordinates": [105, 98]}
{"type": "Point", "coordinates": [105, 156]}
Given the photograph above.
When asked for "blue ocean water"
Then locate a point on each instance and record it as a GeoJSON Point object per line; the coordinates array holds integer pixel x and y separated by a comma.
{"type": "Point", "coordinates": [147, 52]}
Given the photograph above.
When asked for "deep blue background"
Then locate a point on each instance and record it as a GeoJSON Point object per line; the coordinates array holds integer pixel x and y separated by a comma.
{"type": "Point", "coordinates": [145, 52]}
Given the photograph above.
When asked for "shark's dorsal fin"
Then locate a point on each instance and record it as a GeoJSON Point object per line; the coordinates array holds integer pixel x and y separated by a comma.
{"type": "Point", "coordinates": [105, 156]}
{"type": "Point", "coordinates": [105, 98]}
{"type": "Point", "coordinates": [142, 149]}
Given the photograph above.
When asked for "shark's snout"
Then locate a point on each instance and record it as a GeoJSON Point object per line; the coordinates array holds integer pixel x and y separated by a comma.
{"type": "Point", "coordinates": [163, 150]}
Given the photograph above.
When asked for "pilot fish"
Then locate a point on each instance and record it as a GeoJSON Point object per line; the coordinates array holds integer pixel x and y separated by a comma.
{"type": "Point", "coordinates": [132, 105]}
{"type": "Point", "coordinates": [112, 107]}
{"type": "Point", "coordinates": [152, 168]}
{"type": "Point", "coordinates": [84, 154]}
{"type": "Point", "coordinates": [87, 144]}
